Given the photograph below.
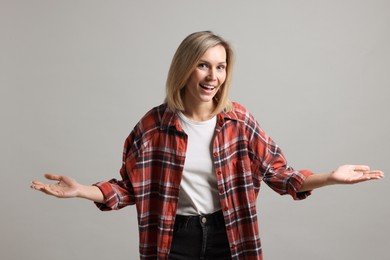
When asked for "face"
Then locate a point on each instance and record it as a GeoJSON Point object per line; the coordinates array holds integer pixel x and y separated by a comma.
{"type": "Point", "coordinates": [207, 78]}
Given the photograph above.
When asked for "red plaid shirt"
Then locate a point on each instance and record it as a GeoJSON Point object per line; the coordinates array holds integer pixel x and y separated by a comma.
{"type": "Point", "coordinates": [153, 161]}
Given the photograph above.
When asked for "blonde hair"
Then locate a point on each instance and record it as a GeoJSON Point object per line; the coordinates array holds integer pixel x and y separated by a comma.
{"type": "Point", "coordinates": [184, 62]}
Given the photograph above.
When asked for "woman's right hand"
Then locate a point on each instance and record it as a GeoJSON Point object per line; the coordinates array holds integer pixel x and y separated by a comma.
{"type": "Point", "coordinates": [65, 187]}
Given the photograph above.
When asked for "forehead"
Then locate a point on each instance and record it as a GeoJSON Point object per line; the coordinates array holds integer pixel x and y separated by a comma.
{"type": "Point", "coordinates": [215, 54]}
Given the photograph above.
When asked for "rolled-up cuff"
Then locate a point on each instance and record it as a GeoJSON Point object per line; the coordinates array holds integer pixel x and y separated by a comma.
{"type": "Point", "coordinates": [109, 196]}
{"type": "Point", "coordinates": [296, 183]}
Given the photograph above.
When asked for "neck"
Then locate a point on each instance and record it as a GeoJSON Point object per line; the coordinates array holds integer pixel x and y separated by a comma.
{"type": "Point", "coordinates": [199, 113]}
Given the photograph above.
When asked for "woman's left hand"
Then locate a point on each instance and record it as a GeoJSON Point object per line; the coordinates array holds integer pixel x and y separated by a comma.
{"type": "Point", "coordinates": [350, 174]}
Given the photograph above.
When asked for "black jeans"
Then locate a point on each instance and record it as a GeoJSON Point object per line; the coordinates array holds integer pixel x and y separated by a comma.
{"type": "Point", "coordinates": [200, 237]}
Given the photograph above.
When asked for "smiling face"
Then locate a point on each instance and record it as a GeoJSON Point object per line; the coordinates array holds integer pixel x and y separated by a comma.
{"type": "Point", "coordinates": [206, 79]}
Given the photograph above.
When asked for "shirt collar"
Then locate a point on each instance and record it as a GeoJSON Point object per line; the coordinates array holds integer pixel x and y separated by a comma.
{"type": "Point", "coordinates": [169, 118]}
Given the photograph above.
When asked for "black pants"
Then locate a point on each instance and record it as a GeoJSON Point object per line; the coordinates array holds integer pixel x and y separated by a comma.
{"type": "Point", "coordinates": [200, 237]}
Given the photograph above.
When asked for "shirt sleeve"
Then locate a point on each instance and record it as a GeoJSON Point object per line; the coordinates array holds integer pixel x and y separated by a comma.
{"type": "Point", "coordinates": [272, 165]}
{"type": "Point", "coordinates": [119, 193]}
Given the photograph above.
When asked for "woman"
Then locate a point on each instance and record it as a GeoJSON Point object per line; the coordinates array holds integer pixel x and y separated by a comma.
{"type": "Point", "coordinates": [193, 165]}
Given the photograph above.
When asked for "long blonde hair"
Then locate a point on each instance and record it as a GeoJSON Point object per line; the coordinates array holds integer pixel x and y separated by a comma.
{"type": "Point", "coordinates": [184, 62]}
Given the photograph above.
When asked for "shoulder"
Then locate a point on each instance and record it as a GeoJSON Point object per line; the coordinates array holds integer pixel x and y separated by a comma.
{"type": "Point", "coordinates": [245, 119]}
{"type": "Point", "coordinates": [145, 129]}
{"type": "Point", "coordinates": [248, 122]}
{"type": "Point", "coordinates": [237, 107]}
{"type": "Point", "coordinates": [154, 115]}
{"type": "Point", "coordinates": [241, 113]}
{"type": "Point", "coordinates": [152, 119]}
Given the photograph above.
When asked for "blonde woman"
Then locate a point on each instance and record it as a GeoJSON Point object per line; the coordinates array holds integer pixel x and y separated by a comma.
{"type": "Point", "coordinates": [193, 165]}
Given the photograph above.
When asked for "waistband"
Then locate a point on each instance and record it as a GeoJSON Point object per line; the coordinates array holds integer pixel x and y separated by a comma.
{"type": "Point", "coordinates": [214, 219]}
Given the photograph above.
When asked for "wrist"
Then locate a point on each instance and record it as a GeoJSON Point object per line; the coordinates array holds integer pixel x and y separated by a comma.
{"type": "Point", "coordinates": [91, 192]}
{"type": "Point", "coordinates": [81, 191]}
{"type": "Point", "coordinates": [330, 180]}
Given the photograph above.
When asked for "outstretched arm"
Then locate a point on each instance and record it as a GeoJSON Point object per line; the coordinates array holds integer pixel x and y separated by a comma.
{"type": "Point", "coordinates": [67, 187]}
{"type": "Point", "coordinates": [346, 174]}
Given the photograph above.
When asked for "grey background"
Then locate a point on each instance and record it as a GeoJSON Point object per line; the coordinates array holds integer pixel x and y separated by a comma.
{"type": "Point", "coordinates": [76, 76]}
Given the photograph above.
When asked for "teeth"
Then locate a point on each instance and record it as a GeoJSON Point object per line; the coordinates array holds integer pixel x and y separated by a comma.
{"type": "Point", "coordinates": [208, 87]}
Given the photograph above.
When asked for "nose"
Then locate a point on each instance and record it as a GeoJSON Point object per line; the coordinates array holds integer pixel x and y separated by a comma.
{"type": "Point", "coordinates": [212, 75]}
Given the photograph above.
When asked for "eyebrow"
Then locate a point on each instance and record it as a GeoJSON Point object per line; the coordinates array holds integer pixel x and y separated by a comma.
{"type": "Point", "coordinates": [205, 61]}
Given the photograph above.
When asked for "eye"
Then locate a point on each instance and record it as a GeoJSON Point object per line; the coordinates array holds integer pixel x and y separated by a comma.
{"type": "Point", "coordinates": [221, 67]}
{"type": "Point", "coordinates": [203, 65]}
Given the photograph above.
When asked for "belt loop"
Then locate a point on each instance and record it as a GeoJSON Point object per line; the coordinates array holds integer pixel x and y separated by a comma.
{"type": "Point", "coordinates": [186, 222]}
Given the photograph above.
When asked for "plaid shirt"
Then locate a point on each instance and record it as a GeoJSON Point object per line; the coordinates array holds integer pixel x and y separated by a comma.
{"type": "Point", "coordinates": [153, 161]}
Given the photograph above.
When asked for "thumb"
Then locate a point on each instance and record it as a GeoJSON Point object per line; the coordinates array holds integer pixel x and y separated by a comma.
{"type": "Point", "coordinates": [53, 177]}
{"type": "Point", "coordinates": [361, 168]}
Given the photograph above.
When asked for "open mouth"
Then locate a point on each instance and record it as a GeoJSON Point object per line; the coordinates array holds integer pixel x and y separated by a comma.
{"type": "Point", "coordinates": [207, 87]}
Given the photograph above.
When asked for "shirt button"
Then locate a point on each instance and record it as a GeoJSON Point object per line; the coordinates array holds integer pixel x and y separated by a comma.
{"type": "Point", "coordinates": [219, 172]}
{"type": "Point", "coordinates": [225, 208]}
{"type": "Point", "coordinates": [215, 154]}
{"type": "Point", "coordinates": [204, 220]}
{"type": "Point", "coordinates": [221, 191]}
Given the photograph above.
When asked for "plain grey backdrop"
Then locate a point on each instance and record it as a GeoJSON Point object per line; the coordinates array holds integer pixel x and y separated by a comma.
{"type": "Point", "coordinates": [76, 76]}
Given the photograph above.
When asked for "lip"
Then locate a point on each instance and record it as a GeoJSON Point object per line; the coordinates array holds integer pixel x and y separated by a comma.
{"type": "Point", "coordinates": [207, 87]}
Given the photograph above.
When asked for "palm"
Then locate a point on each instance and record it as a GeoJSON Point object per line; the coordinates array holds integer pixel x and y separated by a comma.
{"type": "Point", "coordinates": [349, 174]}
{"type": "Point", "coordinates": [65, 187]}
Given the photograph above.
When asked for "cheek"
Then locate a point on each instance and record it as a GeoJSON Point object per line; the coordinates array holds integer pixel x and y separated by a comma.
{"type": "Point", "coordinates": [222, 79]}
{"type": "Point", "coordinates": [191, 81]}
{"type": "Point", "coordinates": [195, 77]}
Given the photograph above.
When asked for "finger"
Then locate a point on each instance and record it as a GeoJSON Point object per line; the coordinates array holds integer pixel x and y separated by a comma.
{"type": "Point", "coordinates": [36, 186]}
{"type": "Point", "coordinates": [41, 188]}
{"type": "Point", "coordinates": [370, 175]}
{"type": "Point", "coordinates": [45, 190]}
{"type": "Point", "coordinates": [52, 190]}
{"type": "Point", "coordinates": [53, 177]}
{"type": "Point", "coordinates": [375, 174]}
{"type": "Point", "coordinates": [37, 183]}
{"type": "Point", "coordinates": [361, 168]}
{"type": "Point", "coordinates": [48, 189]}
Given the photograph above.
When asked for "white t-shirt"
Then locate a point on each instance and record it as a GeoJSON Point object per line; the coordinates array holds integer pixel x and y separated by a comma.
{"type": "Point", "coordinates": [198, 187]}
